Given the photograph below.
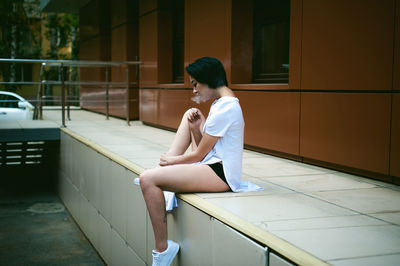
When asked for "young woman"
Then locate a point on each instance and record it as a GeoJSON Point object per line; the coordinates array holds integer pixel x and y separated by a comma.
{"type": "Point", "coordinates": [215, 163]}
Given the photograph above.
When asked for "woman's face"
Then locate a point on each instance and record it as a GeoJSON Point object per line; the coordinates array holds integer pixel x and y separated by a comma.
{"type": "Point", "coordinates": [202, 92]}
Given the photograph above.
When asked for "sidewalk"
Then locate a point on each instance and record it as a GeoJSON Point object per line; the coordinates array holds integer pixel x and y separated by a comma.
{"type": "Point", "coordinates": [339, 218]}
{"type": "Point", "coordinates": [37, 230]}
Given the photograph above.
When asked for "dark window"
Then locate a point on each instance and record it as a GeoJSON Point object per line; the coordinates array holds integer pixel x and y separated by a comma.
{"type": "Point", "coordinates": [271, 41]}
{"type": "Point", "coordinates": [8, 101]}
{"type": "Point", "coordinates": [178, 36]}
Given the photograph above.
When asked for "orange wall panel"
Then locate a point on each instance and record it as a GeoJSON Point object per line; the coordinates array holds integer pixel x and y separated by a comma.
{"type": "Point", "coordinates": [271, 120]}
{"type": "Point", "coordinates": [242, 42]}
{"type": "Point", "coordinates": [146, 6]}
{"type": "Point", "coordinates": [92, 96]}
{"type": "Point", "coordinates": [148, 50]}
{"type": "Point", "coordinates": [165, 46]}
{"type": "Point", "coordinates": [207, 27]}
{"type": "Point", "coordinates": [117, 104]}
{"type": "Point", "coordinates": [119, 47]}
{"type": "Point", "coordinates": [94, 45]}
{"type": "Point", "coordinates": [296, 13]}
{"type": "Point", "coordinates": [395, 143]}
{"type": "Point", "coordinates": [91, 49]}
{"type": "Point", "coordinates": [396, 61]}
{"type": "Point", "coordinates": [172, 105]}
{"type": "Point", "coordinates": [148, 105]}
{"type": "Point", "coordinates": [346, 129]}
{"type": "Point", "coordinates": [89, 25]}
{"type": "Point", "coordinates": [119, 12]}
{"type": "Point", "coordinates": [133, 41]}
{"type": "Point", "coordinates": [347, 44]}
{"type": "Point", "coordinates": [119, 43]}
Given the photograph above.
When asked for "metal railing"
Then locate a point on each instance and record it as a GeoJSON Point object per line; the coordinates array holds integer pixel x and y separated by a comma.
{"type": "Point", "coordinates": [64, 81]}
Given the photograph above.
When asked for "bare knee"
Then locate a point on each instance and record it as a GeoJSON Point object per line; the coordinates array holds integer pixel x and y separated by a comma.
{"type": "Point", "coordinates": [187, 113]}
{"type": "Point", "coordinates": [146, 180]}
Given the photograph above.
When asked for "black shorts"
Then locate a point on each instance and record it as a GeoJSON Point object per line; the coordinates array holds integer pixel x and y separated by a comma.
{"type": "Point", "coordinates": [218, 168]}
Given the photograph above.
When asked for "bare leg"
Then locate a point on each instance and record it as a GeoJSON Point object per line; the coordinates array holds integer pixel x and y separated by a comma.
{"type": "Point", "coordinates": [183, 138]}
{"type": "Point", "coordinates": [176, 178]}
{"type": "Point", "coordinates": [155, 202]}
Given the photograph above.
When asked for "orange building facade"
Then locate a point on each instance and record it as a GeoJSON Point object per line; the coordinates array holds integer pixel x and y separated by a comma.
{"type": "Point", "coordinates": [338, 105]}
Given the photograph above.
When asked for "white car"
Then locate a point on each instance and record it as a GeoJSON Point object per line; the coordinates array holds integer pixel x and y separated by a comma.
{"type": "Point", "coordinates": [14, 107]}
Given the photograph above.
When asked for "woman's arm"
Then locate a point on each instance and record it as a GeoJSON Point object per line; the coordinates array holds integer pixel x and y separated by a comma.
{"type": "Point", "coordinates": [206, 144]}
{"type": "Point", "coordinates": [197, 135]}
{"type": "Point", "coordinates": [195, 119]}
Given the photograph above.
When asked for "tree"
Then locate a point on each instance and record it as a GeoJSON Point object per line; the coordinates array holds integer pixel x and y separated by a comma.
{"type": "Point", "coordinates": [21, 37]}
{"type": "Point", "coordinates": [18, 39]}
{"type": "Point", "coordinates": [62, 31]}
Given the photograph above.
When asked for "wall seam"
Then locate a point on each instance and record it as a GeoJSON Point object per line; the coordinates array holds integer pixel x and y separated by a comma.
{"type": "Point", "coordinates": [390, 137]}
{"type": "Point", "coordinates": [300, 87]}
{"type": "Point", "coordinates": [395, 15]}
{"type": "Point", "coordinates": [148, 12]}
{"type": "Point", "coordinates": [118, 25]}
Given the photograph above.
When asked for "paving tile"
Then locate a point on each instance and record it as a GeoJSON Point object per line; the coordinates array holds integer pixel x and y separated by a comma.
{"type": "Point", "coordinates": [37, 124]}
{"type": "Point", "coordinates": [347, 242]}
{"type": "Point", "coordinates": [152, 155]}
{"type": "Point", "coordinates": [278, 207]}
{"type": "Point", "coordinates": [320, 222]}
{"type": "Point", "coordinates": [384, 260]}
{"type": "Point", "coordinates": [373, 200]}
{"type": "Point", "coordinates": [252, 154]}
{"type": "Point", "coordinates": [269, 189]}
{"type": "Point", "coordinates": [372, 181]}
{"type": "Point", "coordinates": [265, 160]}
{"type": "Point", "coordinates": [146, 163]}
{"type": "Point", "coordinates": [324, 182]}
{"type": "Point", "coordinates": [9, 124]}
{"type": "Point", "coordinates": [391, 217]}
{"type": "Point", "coordinates": [271, 167]}
{"type": "Point", "coordinates": [105, 139]}
{"type": "Point", "coordinates": [315, 167]}
{"type": "Point", "coordinates": [135, 151]}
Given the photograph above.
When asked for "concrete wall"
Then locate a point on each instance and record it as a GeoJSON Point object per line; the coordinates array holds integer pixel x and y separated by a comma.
{"type": "Point", "coordinates": [109, 208]}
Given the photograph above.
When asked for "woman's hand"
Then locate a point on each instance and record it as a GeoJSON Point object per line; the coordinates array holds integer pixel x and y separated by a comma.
{"type": "Point", "coordinates": [166, 159]}
{"type": "Point", "coordinates": [195, 118]}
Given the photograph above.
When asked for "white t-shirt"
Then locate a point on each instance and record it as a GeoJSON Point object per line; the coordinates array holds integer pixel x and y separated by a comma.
{"type": "Point", "coordinates": [225, 120]}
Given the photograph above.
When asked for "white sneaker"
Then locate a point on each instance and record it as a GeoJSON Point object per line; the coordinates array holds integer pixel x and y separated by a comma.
{"type": "Point", "coordinates": [166, 257]}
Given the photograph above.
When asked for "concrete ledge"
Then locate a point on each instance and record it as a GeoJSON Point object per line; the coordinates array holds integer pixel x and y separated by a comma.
{"type": "Point", "coordinates": [31, 130]}
{"type": "Point", "coordinates": [279, 246]}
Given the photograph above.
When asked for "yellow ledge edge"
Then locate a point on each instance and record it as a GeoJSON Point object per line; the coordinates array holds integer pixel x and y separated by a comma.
{"type": "Point", "coordinates": [273, 242]}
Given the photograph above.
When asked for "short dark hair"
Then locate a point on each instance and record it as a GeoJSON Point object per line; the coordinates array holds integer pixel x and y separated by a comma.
{"type": "Point", "coordinates": [208, 70]}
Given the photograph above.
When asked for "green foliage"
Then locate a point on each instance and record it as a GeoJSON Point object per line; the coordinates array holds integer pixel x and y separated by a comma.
{"type": "Point", "coordinates": [21, 37]}
{"type": "Point", "coordinates": [18, 38]}
{"type": "Point", "coordinates": [20, 31]}
{"type": "Point", "coordinates": [62, 30]}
